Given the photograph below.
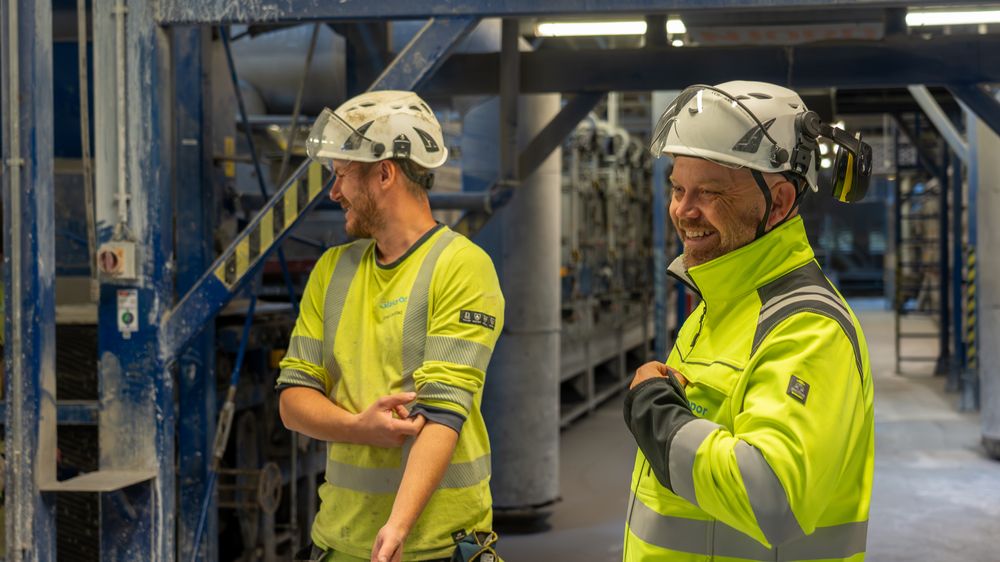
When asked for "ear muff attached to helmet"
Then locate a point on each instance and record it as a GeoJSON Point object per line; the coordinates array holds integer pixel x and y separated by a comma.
{"type": "Point", "coordinates": [852, 169]}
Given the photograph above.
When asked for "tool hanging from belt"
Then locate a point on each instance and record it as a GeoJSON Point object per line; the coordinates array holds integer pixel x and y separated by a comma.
{"type": "Point", "coordinates": [476, 547]}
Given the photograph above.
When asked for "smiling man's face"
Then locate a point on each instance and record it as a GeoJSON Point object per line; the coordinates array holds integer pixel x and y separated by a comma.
{"type": "Point", "coordinates": [715, 209]}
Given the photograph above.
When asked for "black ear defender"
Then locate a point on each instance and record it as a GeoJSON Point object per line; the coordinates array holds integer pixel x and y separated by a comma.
{"type": "Point", "coordinates": [852, 168]}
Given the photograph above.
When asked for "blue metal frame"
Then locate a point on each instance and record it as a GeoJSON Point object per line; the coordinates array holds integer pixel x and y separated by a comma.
{"type": "Point", "coordinates": [660, 279]}
{"type": "Point", "coordinates": [211, 293]}
{"type": "Point", "coordinates": [137, 419]}
{"type": "Point", "coordinates": [223, 11]}
{"type": "Point", "coordinates": [424, 53]}
{"type": "Point", "coordinates": [29, 278]}
{"type": "Point", "coordinates": [940, 61]}
{"type": "Point", "coordinates": [196, 384]}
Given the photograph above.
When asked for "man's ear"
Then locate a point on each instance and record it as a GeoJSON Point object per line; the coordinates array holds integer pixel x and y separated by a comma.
{"type": "Point", "coordinates": [782, 201]}
{"type": "Point", "coordinates": [386, 174]}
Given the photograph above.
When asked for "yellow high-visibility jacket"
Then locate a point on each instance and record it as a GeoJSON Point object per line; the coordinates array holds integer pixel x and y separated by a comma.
{"type": "Point", "coordinates": [426, 323]}
{"type": "Point", "coordinates": [768, 452]}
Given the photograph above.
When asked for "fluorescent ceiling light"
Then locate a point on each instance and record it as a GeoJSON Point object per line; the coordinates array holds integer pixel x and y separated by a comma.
{"type": "Point", "coordinates": [584, 28]}
{"type": "Point", "coordinates": [917, 19]}
{"type": "Point", "coordinates": [575, 29]}
{"type": "Point", "coordinates": [676, 26]}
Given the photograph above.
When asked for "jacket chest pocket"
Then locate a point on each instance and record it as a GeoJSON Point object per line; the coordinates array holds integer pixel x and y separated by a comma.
{"type": "Point", "coordinates": [709, 390]}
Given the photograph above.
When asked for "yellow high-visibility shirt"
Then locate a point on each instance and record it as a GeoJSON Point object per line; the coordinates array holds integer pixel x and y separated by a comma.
{"type": "Point", "coordinates": [425, 323]}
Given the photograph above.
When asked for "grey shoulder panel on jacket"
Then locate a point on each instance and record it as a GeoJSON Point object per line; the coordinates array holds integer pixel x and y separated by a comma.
{"type": "Point", "coordinates": [805, 289]}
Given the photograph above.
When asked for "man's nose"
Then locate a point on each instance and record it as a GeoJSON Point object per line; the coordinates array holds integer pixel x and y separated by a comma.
{"type": "Point", "coordinates": [335, 192]}
{"type": "Point", "coordinates": [686, 206]}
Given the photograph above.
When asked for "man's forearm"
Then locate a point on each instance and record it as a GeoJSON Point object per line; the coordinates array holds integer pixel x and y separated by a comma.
{"type": "Point", "coordinates": [308, 412]}
{"type": "Point", "coordinates": [429, 459]}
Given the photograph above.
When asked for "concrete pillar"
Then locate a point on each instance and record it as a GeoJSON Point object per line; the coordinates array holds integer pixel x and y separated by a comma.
{"type": "Point", "coordinates": [987, 176]}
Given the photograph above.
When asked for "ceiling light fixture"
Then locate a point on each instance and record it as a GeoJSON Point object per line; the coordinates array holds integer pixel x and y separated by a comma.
{"type": "Point", "coordinates": [972, 17]}
{"type": "Point", "coordinates": [594, 28]}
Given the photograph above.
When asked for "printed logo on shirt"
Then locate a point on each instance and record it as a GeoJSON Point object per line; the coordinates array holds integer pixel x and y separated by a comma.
{"type": "Point", "coordinates": [798, 389]}
{"type": "Point", "coordinates": [698, 409]}
{"type": "Point", "coordinates": [392, 303]}
{"type": "Point", "coordinates": [477, 318]}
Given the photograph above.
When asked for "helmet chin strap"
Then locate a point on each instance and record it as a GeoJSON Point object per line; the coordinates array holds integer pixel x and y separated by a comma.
{"type": "Point", "coordinates": [759, 178]}
{"type": "Point", "coordinates": [764, 189]}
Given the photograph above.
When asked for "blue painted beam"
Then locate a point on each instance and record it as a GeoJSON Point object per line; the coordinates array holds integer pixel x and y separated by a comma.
{"type": "Point", "coordinates": [244, 257]}
{"type": "Point", "coordinates": [29, 278]}
{"type": "Point", "coordinates": [983, 104]}
{"type": "Point", "coordinates": [133, 129]}
{"type": "Point", "coordinates": [193, 184]}
{"type": "Point", "coordinates": [940, 61]}
{"type": "Point", "coordinates": [424, 53]}
{"type": "Point", "coordinates": [225, 11]}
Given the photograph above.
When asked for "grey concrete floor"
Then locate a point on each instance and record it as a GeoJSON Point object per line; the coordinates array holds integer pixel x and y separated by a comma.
{"type": "Point", "coordinates": [936, 496]}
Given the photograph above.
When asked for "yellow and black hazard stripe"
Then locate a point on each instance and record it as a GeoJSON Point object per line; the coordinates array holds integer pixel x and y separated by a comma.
{"type": "Point", "coordinates": [971, 355]}
{"type": "Point", "coordinates": [261, 235]}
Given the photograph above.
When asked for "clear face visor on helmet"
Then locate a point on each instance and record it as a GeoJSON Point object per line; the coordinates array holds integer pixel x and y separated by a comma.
{"type": "Point", "coordinates": [701, 116]}
{"type": "Point", "coordinates": [332, 138]}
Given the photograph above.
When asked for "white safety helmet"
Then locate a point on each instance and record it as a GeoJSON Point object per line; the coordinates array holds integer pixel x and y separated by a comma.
{"type": "Point", "coordinates": [739, 124]}
{"type": "Point", "coordinates": [378, 126]}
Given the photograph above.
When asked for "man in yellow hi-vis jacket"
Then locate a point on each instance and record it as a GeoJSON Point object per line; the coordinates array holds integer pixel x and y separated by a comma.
{"type": "Point", "coordinates": [756, 438]}
{"type": "Point", "coordinates": [387, 360]}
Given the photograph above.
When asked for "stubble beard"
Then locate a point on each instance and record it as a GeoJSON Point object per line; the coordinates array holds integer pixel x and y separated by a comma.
{"type": "Point", "coordinates": [367, 217]}
{"type": "Point", "coordinates": [740, 232]}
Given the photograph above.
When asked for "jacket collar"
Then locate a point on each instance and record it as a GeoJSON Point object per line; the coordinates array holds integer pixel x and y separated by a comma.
{"type": "Point", "coordinates": [746, 269]}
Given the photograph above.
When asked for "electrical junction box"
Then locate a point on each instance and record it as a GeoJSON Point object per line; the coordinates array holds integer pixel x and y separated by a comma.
{"type": "Point", "coordinates": [117, 260]}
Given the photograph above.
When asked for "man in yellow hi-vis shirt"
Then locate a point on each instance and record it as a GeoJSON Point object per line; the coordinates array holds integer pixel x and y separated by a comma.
{"type": "Point", "coordinates": [756, 438]}
{"type": "Point", "coordinates": [387, 360]}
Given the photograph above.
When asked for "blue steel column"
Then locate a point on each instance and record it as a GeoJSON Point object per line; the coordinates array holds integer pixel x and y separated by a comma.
{"type": "Point", "coordinates": [29, 278]}
{"type": "Point", "coordinates": [661, 327]}
{"type": "Point", "coordinates": [137, 418]}
{"type": "Point", "coordinates": [957, 263]}
{"type": "Point", "coordinates": [196, 372]}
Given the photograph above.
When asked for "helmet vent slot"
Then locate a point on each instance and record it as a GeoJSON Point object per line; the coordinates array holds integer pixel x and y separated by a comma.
{"type": "Point", "coordinates": [367, 104]}
{"type": "Point", "coordinates": [760, 96]}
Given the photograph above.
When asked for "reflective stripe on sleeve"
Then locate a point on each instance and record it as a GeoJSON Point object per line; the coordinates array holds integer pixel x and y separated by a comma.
{"type": "Point", "coordinates": [446, 393]}
{"type": "Point", "coordinates": [767, 496]}
{"type": "Point", "coordinates": [683, 448]}
{"type": "Point", "coordinates": [386, 480]}
{"type": "Point", "coordinates": [295, 377]}
{"type": "Point", "coordinates": [712, 538]}
{"type": "Point", "coordinates": [306, 349]}
{"type": "Point", "coordinates": [458, 351]}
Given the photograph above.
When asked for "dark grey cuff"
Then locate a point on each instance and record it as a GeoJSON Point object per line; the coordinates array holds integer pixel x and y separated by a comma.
{"type": "Point", "coordinates": [439, 415]}
{"type": "Point", "coordinates": [654, 411]}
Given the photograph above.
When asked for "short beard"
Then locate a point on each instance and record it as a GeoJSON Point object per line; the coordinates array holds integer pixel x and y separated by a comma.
{"type": "Point", "coordinates": [742, 231]}
{"type": "Point", "coordinates": [368, 218]}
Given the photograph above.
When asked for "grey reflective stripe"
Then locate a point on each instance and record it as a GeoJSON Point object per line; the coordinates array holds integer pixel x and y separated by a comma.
{"type": "Point", "coordinates": [333, 307]}
{"type": "Point", "coordinates": [816, 291]}
{"type": "Point", "coordinates": [306, 349]}
{"type": "Point", "coordinates": [295, 377]}
{"type": "Point", "coordinates": [712, 538]}
{"type": "Point", "coordinates": [805, 289]}
{"type": "Point", "coordinates": [767, 496]}
{"type": "Point", "coordinates": [790, 302]}
{"type": "Point", "coordinates": [386, 480]}
{"type": "Point", "coordinates": [683, 448]}
{"type": "Point", "coordinates": [415, 321]}
{"type": "Point", "coordinates": [446, 393]}
{"type": "Point", "coordinates": [458, 351]}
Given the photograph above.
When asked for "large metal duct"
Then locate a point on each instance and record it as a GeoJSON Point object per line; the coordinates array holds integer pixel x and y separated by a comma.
{"type": "Point", "coordinates": [521, 400]}
{"type": "Point", "coordinates": [987, 143]}
{"type": "Point", "coordinates": [272, 63]}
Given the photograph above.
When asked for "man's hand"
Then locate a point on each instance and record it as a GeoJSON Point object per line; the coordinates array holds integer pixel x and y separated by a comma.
{"type": "Point", "coordinates": [655, 369]}
{"type": "Point", "coordinates": [388, 545]}
{"type": "Point", "coordinates": [376, 426]}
